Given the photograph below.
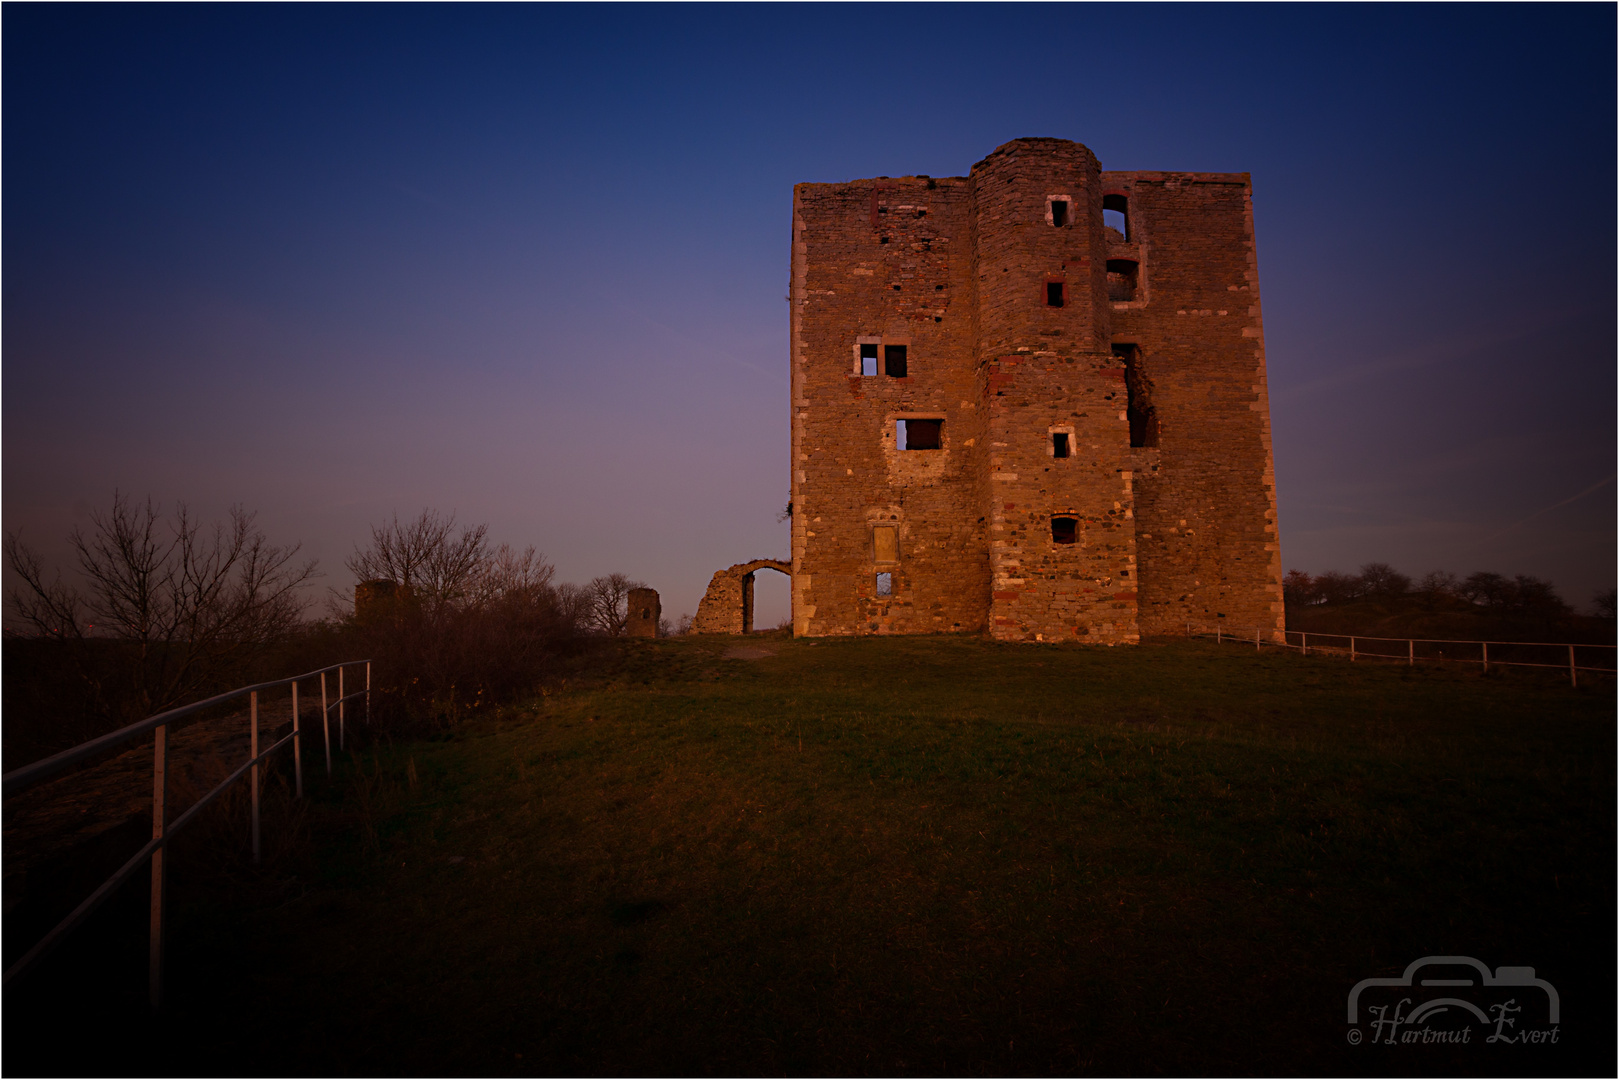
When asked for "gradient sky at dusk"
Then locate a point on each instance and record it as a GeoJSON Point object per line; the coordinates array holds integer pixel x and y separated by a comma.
{"type": "Point", "coordinates": [529, 264]}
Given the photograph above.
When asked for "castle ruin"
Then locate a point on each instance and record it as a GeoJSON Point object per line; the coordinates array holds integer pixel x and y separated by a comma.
{"type": "Point", "coordinates": [1030, 401]}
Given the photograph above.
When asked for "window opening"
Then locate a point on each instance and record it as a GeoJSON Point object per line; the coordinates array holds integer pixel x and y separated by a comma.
{"type": "Point", "coordinates": [885, 584]}
{"type": "Point", "coordinates": [920, 434]}
{"type": "Point", "coordinates": [1122, 277]}
{"type": "Point", "coordinates": [1116, 214]}
{"type": "Point", "coordinates": [1059, 212]}
{"type": "Point", "coordinates": [1054, 290]}
{"type": "Point", "coordinates": [1139, 409]}
{"type": "Point", "coordinates": [894, 361]}
{"type": "Point", "coordinates": [1064, 530]}
{"type": "Point", "coordinates": [885, 544]}
{"type": "Point", "coordinates": [1059, 444]}
{"type": "Point", "coordinates": [868, 359]}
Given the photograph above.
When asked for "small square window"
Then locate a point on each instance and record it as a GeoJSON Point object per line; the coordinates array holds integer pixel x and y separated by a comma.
{"type": "Point", "coordinates": [894, 361]}
{"type": "Point", "coordinates": [1123, 278]}
{"type": "Point", "coordinates": [1059, 444]}
{"type": "Point", "coordinates": [1064, 530]}
{"type": "Point", "coordinates": [919, 434]}
{"type": "Point", "coordinates": [868, 359]}
{"type": "Point", "coordinates": [1054, 291]}
{"type": "Point", "coordinates": [885, 584]}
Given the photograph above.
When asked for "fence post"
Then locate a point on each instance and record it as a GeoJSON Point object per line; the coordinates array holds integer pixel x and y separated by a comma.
{"type": "Point", "coordinates": [1304, 643]}
{"type": "Point", "coordinates": [326, 723]}
{"type": "Point", "coordinates": [1410, 652]}
{"type": "Point", "coordinates": [341, 704]}
{"type": "Point", "coordinates": [297, 744]}
{"type": "Point", "coordinates": [160, 791]}
{"type": "Point", "coordinates": [1486, 645]}
{"type": "Point", "coordinates": [1256, 639]}
{"type": "Point", "coordinates": [1573, 678]}
{"type": "Point", "coordinates": [368, 693]}
{"type": "Point", "coordinates": [1351, 649]}
{"type": "Point", "coordinates": [253, 721]}
{"type": "Point", "coordinates": [1217, 629]}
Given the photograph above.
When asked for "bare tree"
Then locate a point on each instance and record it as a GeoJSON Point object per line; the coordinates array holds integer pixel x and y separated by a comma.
{"type": "Point", "coordinates": [186, 603]}
{"type": "Point", "coordinates": [607, 600]}
{"type": "Point", "coordinates": [426, 557]}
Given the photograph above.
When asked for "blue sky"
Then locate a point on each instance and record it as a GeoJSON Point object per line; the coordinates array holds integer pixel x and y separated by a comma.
{"type": "Point", "coordinates": [528, 263]}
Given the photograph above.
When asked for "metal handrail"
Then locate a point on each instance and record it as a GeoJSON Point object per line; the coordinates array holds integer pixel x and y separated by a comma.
{"type": "Point", "coordinates": [29, 775]}
{"type": "Point", "coordinates": [25, 777]}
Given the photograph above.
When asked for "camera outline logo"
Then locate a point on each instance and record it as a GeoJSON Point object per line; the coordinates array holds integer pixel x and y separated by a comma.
{"type": "Point", "coordinates": [1464, 1003]}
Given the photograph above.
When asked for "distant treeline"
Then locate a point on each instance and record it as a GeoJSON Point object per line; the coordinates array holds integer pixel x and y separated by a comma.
{"type": "Point", "coordinates": [1479, 606]}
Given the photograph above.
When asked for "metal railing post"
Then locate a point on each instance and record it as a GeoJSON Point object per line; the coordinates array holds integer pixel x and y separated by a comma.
{"type": "Point", "coordinates": [326, 723]}
{"type": "Point", "coordinates": [1217, 629]}
{"type": "Point", "coordinates": [1304, 643]}
{"type": "Point", "coordinates": [253, 720]}
{"type": "Point", "coordinates": [297, 744]}
{"type": "Point", "coordinates": [341, 704]}
{"type": "Point", "coordinates": [1351, 649]}
{"type": "Point", "coordinates": [1410, 652]}
{"type": "Point", "coordinates": [160, 790]}
{"type": "Point", "coordinates": [1256, 639]}
{"type": "Point", "coordinates": [1486, 645]}
{"type": "Point", "coordinates": [1573, 677]}
{"type": "Point", "coordinates": [368, 693]}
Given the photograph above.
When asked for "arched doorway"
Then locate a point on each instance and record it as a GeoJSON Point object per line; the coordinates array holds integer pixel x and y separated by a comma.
{"type": "Point", "coordinates": [728, 605]}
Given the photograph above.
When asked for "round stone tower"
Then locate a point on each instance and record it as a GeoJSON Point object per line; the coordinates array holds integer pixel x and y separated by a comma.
{"type": "Point", "coordinates": [1041, 253]}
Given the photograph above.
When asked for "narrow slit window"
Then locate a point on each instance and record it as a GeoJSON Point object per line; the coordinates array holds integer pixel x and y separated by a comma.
{"type": "Point", "coordinates": [1116, 214]}
{"type": "Point", "coordinates": [1054, 291]}
{"type": "Point", "coordinates": [1064, 530]}
{"type": "Point", "coordinates": [1059, 212]}
{"type": "Point", "coordinates": [1059, 444]}
{"type": "Point", "coordinates": [1122, 278]}
{"type": "Point", "coordinates": [868, 359]}
{"type": "Point", "coordinates": [885, 584]}
{"type": "Point", "coordinates": [894, 363]}
{"type": "Point", "coordinates": [920, 434]}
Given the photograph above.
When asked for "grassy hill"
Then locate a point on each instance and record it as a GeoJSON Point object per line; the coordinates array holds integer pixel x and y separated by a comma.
{"type": "Point", "coordinates": [892, 855]}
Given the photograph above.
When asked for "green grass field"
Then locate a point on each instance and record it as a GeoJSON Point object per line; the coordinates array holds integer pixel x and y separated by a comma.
{"type": "Point", "coordinates": [904, 855]}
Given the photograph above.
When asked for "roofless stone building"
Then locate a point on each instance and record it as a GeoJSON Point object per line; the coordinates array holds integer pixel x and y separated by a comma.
{"type": "Point", "coordinates": [1031, 401]}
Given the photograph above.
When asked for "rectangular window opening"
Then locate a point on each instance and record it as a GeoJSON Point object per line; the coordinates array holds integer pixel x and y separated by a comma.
{"type": "Point", "coordinates": [1064, 530]}
{"type": "Point", "coordinates": [1059, 444]}
{"type": "Point", "coordinates": [894, 365]}
{"type": "Point", "coordinates": [1059, 212]}
{"type": "Point", "coordinates": [920, 434]}
{"type": "Point", "coordinates": [1054, 290]}
{"type": "Point", "coordinates": [885, 584]}
{"type": "Point", "coordinates": [868, 359]}
{"type": "Point", "coordinates": [885, 544]}
{"type": "Point", "coordinates": [1122, 275]}
{"type": "Point", "coordinates": [1116, 215]}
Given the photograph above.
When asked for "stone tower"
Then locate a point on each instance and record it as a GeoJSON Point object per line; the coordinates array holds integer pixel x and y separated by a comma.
{"type": "Point", "coordinates": [1031, 401]}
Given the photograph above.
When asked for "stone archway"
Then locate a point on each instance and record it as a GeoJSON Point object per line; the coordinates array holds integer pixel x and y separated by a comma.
{"type": "Point", "coordinates": [727, 606]}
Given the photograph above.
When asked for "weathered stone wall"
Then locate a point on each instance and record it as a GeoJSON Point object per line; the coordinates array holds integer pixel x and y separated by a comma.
{"type": "Point", "coordinates": [1207, 538]}
{"type": "Point", "coordinates": [885, 263]}
{"type": "Point", "coordinates": [1010, 309]}
{"type": "Point", "coordinates": [645, 610]}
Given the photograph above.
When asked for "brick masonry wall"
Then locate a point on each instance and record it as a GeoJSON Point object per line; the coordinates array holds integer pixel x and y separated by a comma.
{"type": "Point", "coordinates": [958, 271]}
{"type": "Point", "coordinates": [886, 261]}
{"type": "Point", "coordinates": [1207, 538]}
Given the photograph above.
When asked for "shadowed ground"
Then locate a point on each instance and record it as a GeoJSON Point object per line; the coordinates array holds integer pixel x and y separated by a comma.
{"type": "Point", "coordinates": [904, 855]}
